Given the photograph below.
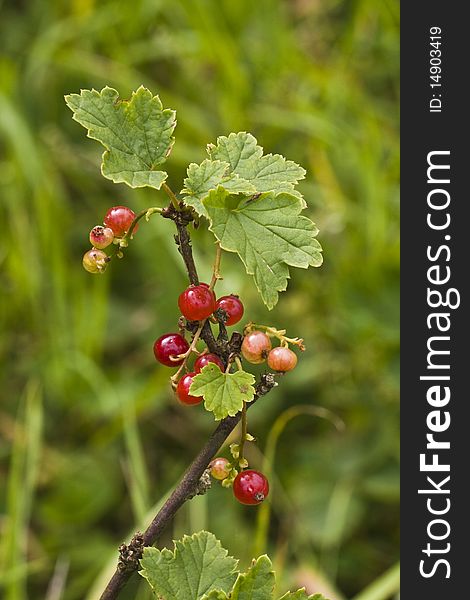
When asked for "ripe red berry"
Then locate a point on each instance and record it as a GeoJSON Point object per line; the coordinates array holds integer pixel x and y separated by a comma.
{"type": "Point", "coordinates": [119, 219]}
{"type": "Point", "coordinates": [255, 347]}
{"type": "Point", "coordinates": [95, 261]}
{"type": "Point", "coordinates": [205, 359]}
{"type": "Point", "coordinates": [168, 345]}
{"type": "Point", "coordinates": [197, 302]}
{"type": "Point", "coordinates": [282, 359]}
{"type": "Point", "coordinates": [101, 237]}
{"type": "Point", "coordinates": [182, 390]}
{"type": "Point", "coordinates": [250, 487]}
{"type": "Point", "coordinates": [233, 306]}
{"type": "Point", "coordinates": [220, 468]}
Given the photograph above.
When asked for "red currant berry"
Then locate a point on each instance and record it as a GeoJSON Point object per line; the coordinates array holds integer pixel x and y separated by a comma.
{"type": "Point", "coordinates": [95, 261]}
{"type": "Point", "coordinates": [205, 359]}
{"type": "Point", "coordinates": [206, 285]}
{"type": "Point", "coordinates": [197, 302]}
{"type": "Point", "coordinates": [168, 345]}
{"type": "Point", "coordinates": [282, 359]}
{"type": "Point", "coordinates": [255, 347]}
{"type": "Point", "coordinates": [250, 487]}
{"type": "Point", "coordinates": [101, 237]}
{"type": "Point", "coordinates": [220, 468]}
{"type": "Point", "coordinates": [233, 306]}
{"type": "Point", "coordinates": [182, 390]}
{"type": "Point", "coordinates": [119, 219]}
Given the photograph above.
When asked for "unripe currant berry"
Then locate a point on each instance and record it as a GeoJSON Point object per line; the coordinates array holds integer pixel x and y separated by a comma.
{"type": "Point", "coordinates": [101, 237]}
{"type": "Point", "coordinates": [233, 306]}
{"type": "Point", "coordinates": [182, 390]}
{"type": "Point", "coordinates": [205, 359]}
{"type": "Point", "coordinates": [250, 487]}
{"type": "Point", "coordinates": [168, 345]}
{"type": "Point", "coordinates": [255, 347]}
{"type": "Point", "coordinates": [196, 303]}
{"type": "Point", "coordinates": [220, 468]}
{"type": "Point", "coordinates": [282, 359]}
{"type": "Point", "coordinates": [119, 219]}
{"type": "Point", "coordinates": [95, 261]}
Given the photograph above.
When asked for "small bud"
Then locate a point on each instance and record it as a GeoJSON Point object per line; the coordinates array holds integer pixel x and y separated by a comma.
{"type": "Point", "coordinates": [235, 450]}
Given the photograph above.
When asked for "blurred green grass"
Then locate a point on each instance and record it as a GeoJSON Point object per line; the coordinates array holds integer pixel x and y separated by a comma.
{"type": "Point", "coordinates": [90, 437]}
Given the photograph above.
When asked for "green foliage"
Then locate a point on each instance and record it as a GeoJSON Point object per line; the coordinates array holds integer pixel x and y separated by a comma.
{"type": "Point", "coordinates": [248, 198]}
{"type": "Point", "coordinates": [199, 569]}
{"type": "Point", "coordinates": [197, 565]}
{"type": "Point", "coordinates": [257, 583]}
{"type": "Point", "coordinates": [264, 229]}
{"type": "Point", "coordinates": [223, 393]}
{"type": "Point", "coordinates": [237, 165]}
{"type": "Point", "coordinates": [302, 595]}
{"type": "Point", "coordinates": [268, 234]}
{"type": "Point", "coordinates": [137, 134]}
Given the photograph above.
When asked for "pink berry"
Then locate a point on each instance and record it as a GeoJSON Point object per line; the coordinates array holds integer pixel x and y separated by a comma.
{"type": "Point", "coordinates": [196, 303]}
{"type": "Point", "coordinates": [255, 347]}
{"type": "Point", "coordinates": [220, 468]}
{"type": "Point", "coordinates": [233, 306]}
{"type": "Point", "coordinates": [119, 219]}
{"type": "Point", "coordinates": [170, 345]}
{"type": "Point", "coordinates": [95, 261]}
{"type": "Point", "coordinates": [250, 487]}
{"type": "Point", "coordinates": [182, 390]}
{"type": "Point", "coordinates": [101, 237]}
{"type": "Point", "coordinates": [205, 359]}
{"type": "Point", "coordinates": [282, 359]}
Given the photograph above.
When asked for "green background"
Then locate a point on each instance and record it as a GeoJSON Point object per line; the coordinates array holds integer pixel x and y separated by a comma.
{"type": "Point", "coordinates": [90, 435]}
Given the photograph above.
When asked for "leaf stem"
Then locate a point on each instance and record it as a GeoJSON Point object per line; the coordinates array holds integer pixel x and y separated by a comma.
{"type": "Point", "coordinates": [171, 195]}
{"type": "Point", "coordinates": [216, 269]}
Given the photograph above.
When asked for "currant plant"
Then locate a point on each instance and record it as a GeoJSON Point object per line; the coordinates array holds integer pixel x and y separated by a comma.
{"type": "Point", "coordinates": [250, 203]}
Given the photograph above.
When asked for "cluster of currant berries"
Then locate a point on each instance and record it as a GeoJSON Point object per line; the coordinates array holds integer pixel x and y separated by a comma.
{"type": "Point", "coordinates": [196, 303]}
{"type": "Point", "coordinates": [117, 223]}
{"type": "Point", "coordinates": [257, 347]}
{"type": "Point", "coordinates": [249, 486]}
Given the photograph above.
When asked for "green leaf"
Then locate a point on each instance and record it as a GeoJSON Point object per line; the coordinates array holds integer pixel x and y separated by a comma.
{"type": "Point", "coordinates": [257, 583]}
{"type": "Point", "coordinates": [224, 393]}
{"type": "Point", "coordinates": [137, 133]}
{"type": "Point", "coordinates": [301, 595]}
{"type": "Point", "coordinates": [215, 595]}
{"type": "Point", "coordinates": [237, 165]}
{"type": "Point", "coordinates": [268, 234]}
{"type": "Point", "coordinates": [197, 565]}
{"type": "Point", "coordinates": [271, 172]}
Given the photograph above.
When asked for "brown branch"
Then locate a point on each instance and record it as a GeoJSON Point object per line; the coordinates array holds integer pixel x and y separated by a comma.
{"type": "Point", "coordinates": [182, 219]}
{"type": "Point", "coordinates": [183, 491]}
{"type": "Point", "coordinates": [190, 484]}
